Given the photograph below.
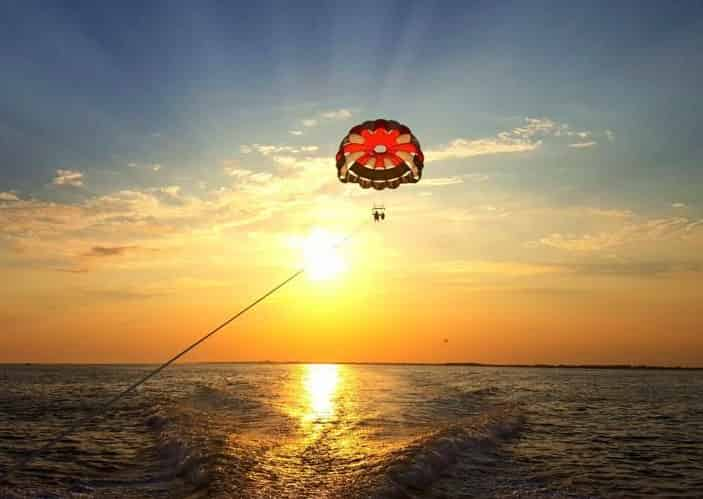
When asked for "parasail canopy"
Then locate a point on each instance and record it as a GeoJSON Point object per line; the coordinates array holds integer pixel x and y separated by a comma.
{"type": "Point", "coordinates": [380, 154]}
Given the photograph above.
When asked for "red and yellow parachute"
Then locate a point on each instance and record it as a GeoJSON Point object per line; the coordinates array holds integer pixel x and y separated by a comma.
{"type": "Point", "coordinates": [380, 154]}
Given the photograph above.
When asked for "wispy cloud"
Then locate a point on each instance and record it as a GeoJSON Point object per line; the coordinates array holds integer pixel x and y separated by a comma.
{"type": "Point", "coordinates": [71, 178]}
{"type": "Point", "coordinates": [335, 114]}
{"type": "Point", "coordinates": [441, 181]}
{"type": "Point", "coordinates": [464, 148]}
{"type": "Point", "coordinates": [268, 149]}
{"type": "Point", "coordinates": [678, 205]}
{"type": "Point", "coordinates": [636, 268]}
{"type": "Point", "coordinates": [521, 139]}
{"type": "Point", "coordinates": [650, 230]}
{"type": "Point", "coordinates": [339, 114]}
{"type": "Point", "coordinates": [476, 177]}
{"type": "Point", "coordinates": [500, 268]}
{"type": "Point", "coordinates": [8, 196]}
{"type": "Point", "coordinates": [303, 162]}
{"type": "Point", "coordinates": [295, 132]}
{"type": "Point", "coordinates": [583, 145]}
{"type": "Point", "coordinates": [603, 212]}
{"type": "Point", "coordinates": [584, 243]}
{"type": "Point", "coordinates": [236, 172]}
{"type": "Point", "coordinates": [106, 251]}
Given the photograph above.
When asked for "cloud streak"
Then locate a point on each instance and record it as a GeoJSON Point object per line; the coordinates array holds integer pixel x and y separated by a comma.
{"type": "Point", "coordinates": [107, 251]}
{"type": "Point", "coordinates": [526, 138]}
{"type": "Point", "coordinates": [332, 115]}
{"type": "Point", "coordinates": [661, 229]}
{"type": "Point", "coordinates": [8, 196]}
{"type": "Point", "coordinates": [268, 149]}
{"type": "Point", "coordinates": [72, 178]}
{"type": "Point", "coordinates": [442, 181]}
{"type": "Point", "coordinates": [583, 145]}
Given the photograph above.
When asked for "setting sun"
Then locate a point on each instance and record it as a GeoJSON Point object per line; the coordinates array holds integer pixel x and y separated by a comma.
{"type": "Point", "coordinates": [321, 254]}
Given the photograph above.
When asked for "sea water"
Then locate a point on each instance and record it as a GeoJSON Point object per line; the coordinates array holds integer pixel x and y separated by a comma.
{"type": "Point", "coordinates": [309, 430]}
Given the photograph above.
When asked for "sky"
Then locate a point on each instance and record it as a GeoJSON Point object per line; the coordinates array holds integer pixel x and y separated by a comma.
{"type": "Point", "coordinates": [163, 163]}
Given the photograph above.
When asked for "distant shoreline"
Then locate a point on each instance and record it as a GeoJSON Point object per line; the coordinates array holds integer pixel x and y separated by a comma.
{"type": "Point", "coordinates": [419, 364]}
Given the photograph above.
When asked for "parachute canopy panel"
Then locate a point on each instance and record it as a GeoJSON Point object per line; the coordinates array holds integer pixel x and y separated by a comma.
{"type": "Point", "coordinates": [380, 154]}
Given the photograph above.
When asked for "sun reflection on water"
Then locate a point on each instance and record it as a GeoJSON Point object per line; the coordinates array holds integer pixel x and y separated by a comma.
{"type": "Point", "coordinates": [321, 382]}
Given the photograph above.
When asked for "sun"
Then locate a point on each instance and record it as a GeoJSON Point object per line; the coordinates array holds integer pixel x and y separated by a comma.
{"type": "Point", "coordinates": [322, 258]}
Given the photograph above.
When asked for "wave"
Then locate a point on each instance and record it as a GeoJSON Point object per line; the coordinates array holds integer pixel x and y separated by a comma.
{"type": "Point", "coordinates": [195, 449]}
{"type": "Point", "coordinates": [187, 447]}
{"type": "Point", "coordinates": [419, 465]}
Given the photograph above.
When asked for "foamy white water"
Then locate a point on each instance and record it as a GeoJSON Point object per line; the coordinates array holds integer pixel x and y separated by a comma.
{"type": "Point", "coordinates": [261, 430]}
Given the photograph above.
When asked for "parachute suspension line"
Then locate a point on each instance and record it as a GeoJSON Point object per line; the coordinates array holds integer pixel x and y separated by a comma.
{"type": "Point", "coordinates": [101, 409]}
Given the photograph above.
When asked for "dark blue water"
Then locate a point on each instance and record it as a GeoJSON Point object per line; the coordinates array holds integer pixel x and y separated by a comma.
{"type": "Point", "coordinates": [261, 430]}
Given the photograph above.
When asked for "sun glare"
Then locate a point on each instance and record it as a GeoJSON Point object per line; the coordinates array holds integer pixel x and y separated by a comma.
{"type": "Point", "coordinates": [321, 382]}
{"type": "Point", "coordinates": [321, 255]}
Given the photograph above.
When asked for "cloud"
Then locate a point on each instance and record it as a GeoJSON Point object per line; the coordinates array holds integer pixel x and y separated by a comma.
{"type": "Point", "coordinates": [232, 168]}
{"type": "Point", "coordinates": [267, 149]}
{"type": "Point", "coordinates": [441, 181]}
{"type": "Point", "coordinates": [295, 132]}
{"type": "Point", "coordinates": [8, 196]}
{"type": "Point", "coordinates": [678, 205]}
{"type": "Point", "coordinates": [607, 213]}
{"type": "Point", "coordinates": [637, 269]}
{"type": "Point", "coordinates": [583, 145]}
{"type": "Point", "coordinates": [156, 167]}
{"type": "Point", "coordinates": [610, 135]}
{"type": "Point", "coordinates": [132, 165]}
{"type": "Point", "coordinates": [476, 177]}
{"type": "Point", "coordinates": [336, 114]}
{"type": "Point", "coordinates": [503, 268]}
{"type": "Point", "coordinates": [71, 178]}
{"type": "Point", "coordinates": [141, 291]}
{"type": "Point", "coordinates": [261, 177]}
{"type": "Point", "coordinates": [236, 172]}
{"type": "Point", "coordinates": [525, 138]}
{"type": "Point", "coordinates": [661, 229]}
{"type": "Point", "coordinates": [304, 162]}
{"type": "Point", "coordinates": [54, 234]}
{"type": "Point", "coordinates": [169, 195]}
{"type": "Point", "coordinates": [463, 148]}
{"type": "Point", "coordinates": [586, 243]}
{"type": "Point", "coordinates": [104, 251]}
{"type": "Point", "coordinates": [339, 114]}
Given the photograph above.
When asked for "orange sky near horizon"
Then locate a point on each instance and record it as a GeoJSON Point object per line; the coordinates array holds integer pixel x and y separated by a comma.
{"type": "Point", "coordinates": [382, 308]}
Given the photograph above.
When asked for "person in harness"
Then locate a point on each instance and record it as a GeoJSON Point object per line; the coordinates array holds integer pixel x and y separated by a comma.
{"type": "Point", "coordinates": [379, 213]}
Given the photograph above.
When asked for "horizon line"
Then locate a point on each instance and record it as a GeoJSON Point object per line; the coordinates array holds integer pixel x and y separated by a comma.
{"type": "Point", "coordinates": [439, 364]}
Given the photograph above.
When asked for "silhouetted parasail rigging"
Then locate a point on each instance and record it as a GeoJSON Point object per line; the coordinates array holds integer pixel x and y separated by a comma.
{"type": "Point", "coordinates": [380, 154]}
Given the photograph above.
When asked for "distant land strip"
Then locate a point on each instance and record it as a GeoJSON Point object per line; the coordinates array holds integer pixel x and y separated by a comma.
{"type": "Point", "coordinates": [479, 364]}
{"type": "Point", "coordinates": [426, 364]}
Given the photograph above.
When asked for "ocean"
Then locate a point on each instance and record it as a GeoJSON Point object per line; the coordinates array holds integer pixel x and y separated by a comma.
{"type": "Point", "coordinates": [338, 431]}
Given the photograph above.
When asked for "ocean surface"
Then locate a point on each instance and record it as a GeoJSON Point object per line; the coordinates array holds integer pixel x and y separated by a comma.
{"type": "Point", "coordinates": [337, 431]}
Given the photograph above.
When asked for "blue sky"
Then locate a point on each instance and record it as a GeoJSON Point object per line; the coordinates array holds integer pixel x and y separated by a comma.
{"type": "Point", "coordinates": [562, 143]}
{"type": "Point", "coordinates": [92, 87]}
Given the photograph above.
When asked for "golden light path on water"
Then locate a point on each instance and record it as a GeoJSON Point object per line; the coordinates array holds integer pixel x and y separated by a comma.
{"type": "Point", "coordinates": [320, 382]}
{"type": "Point", "coordinates": [318, 444]}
